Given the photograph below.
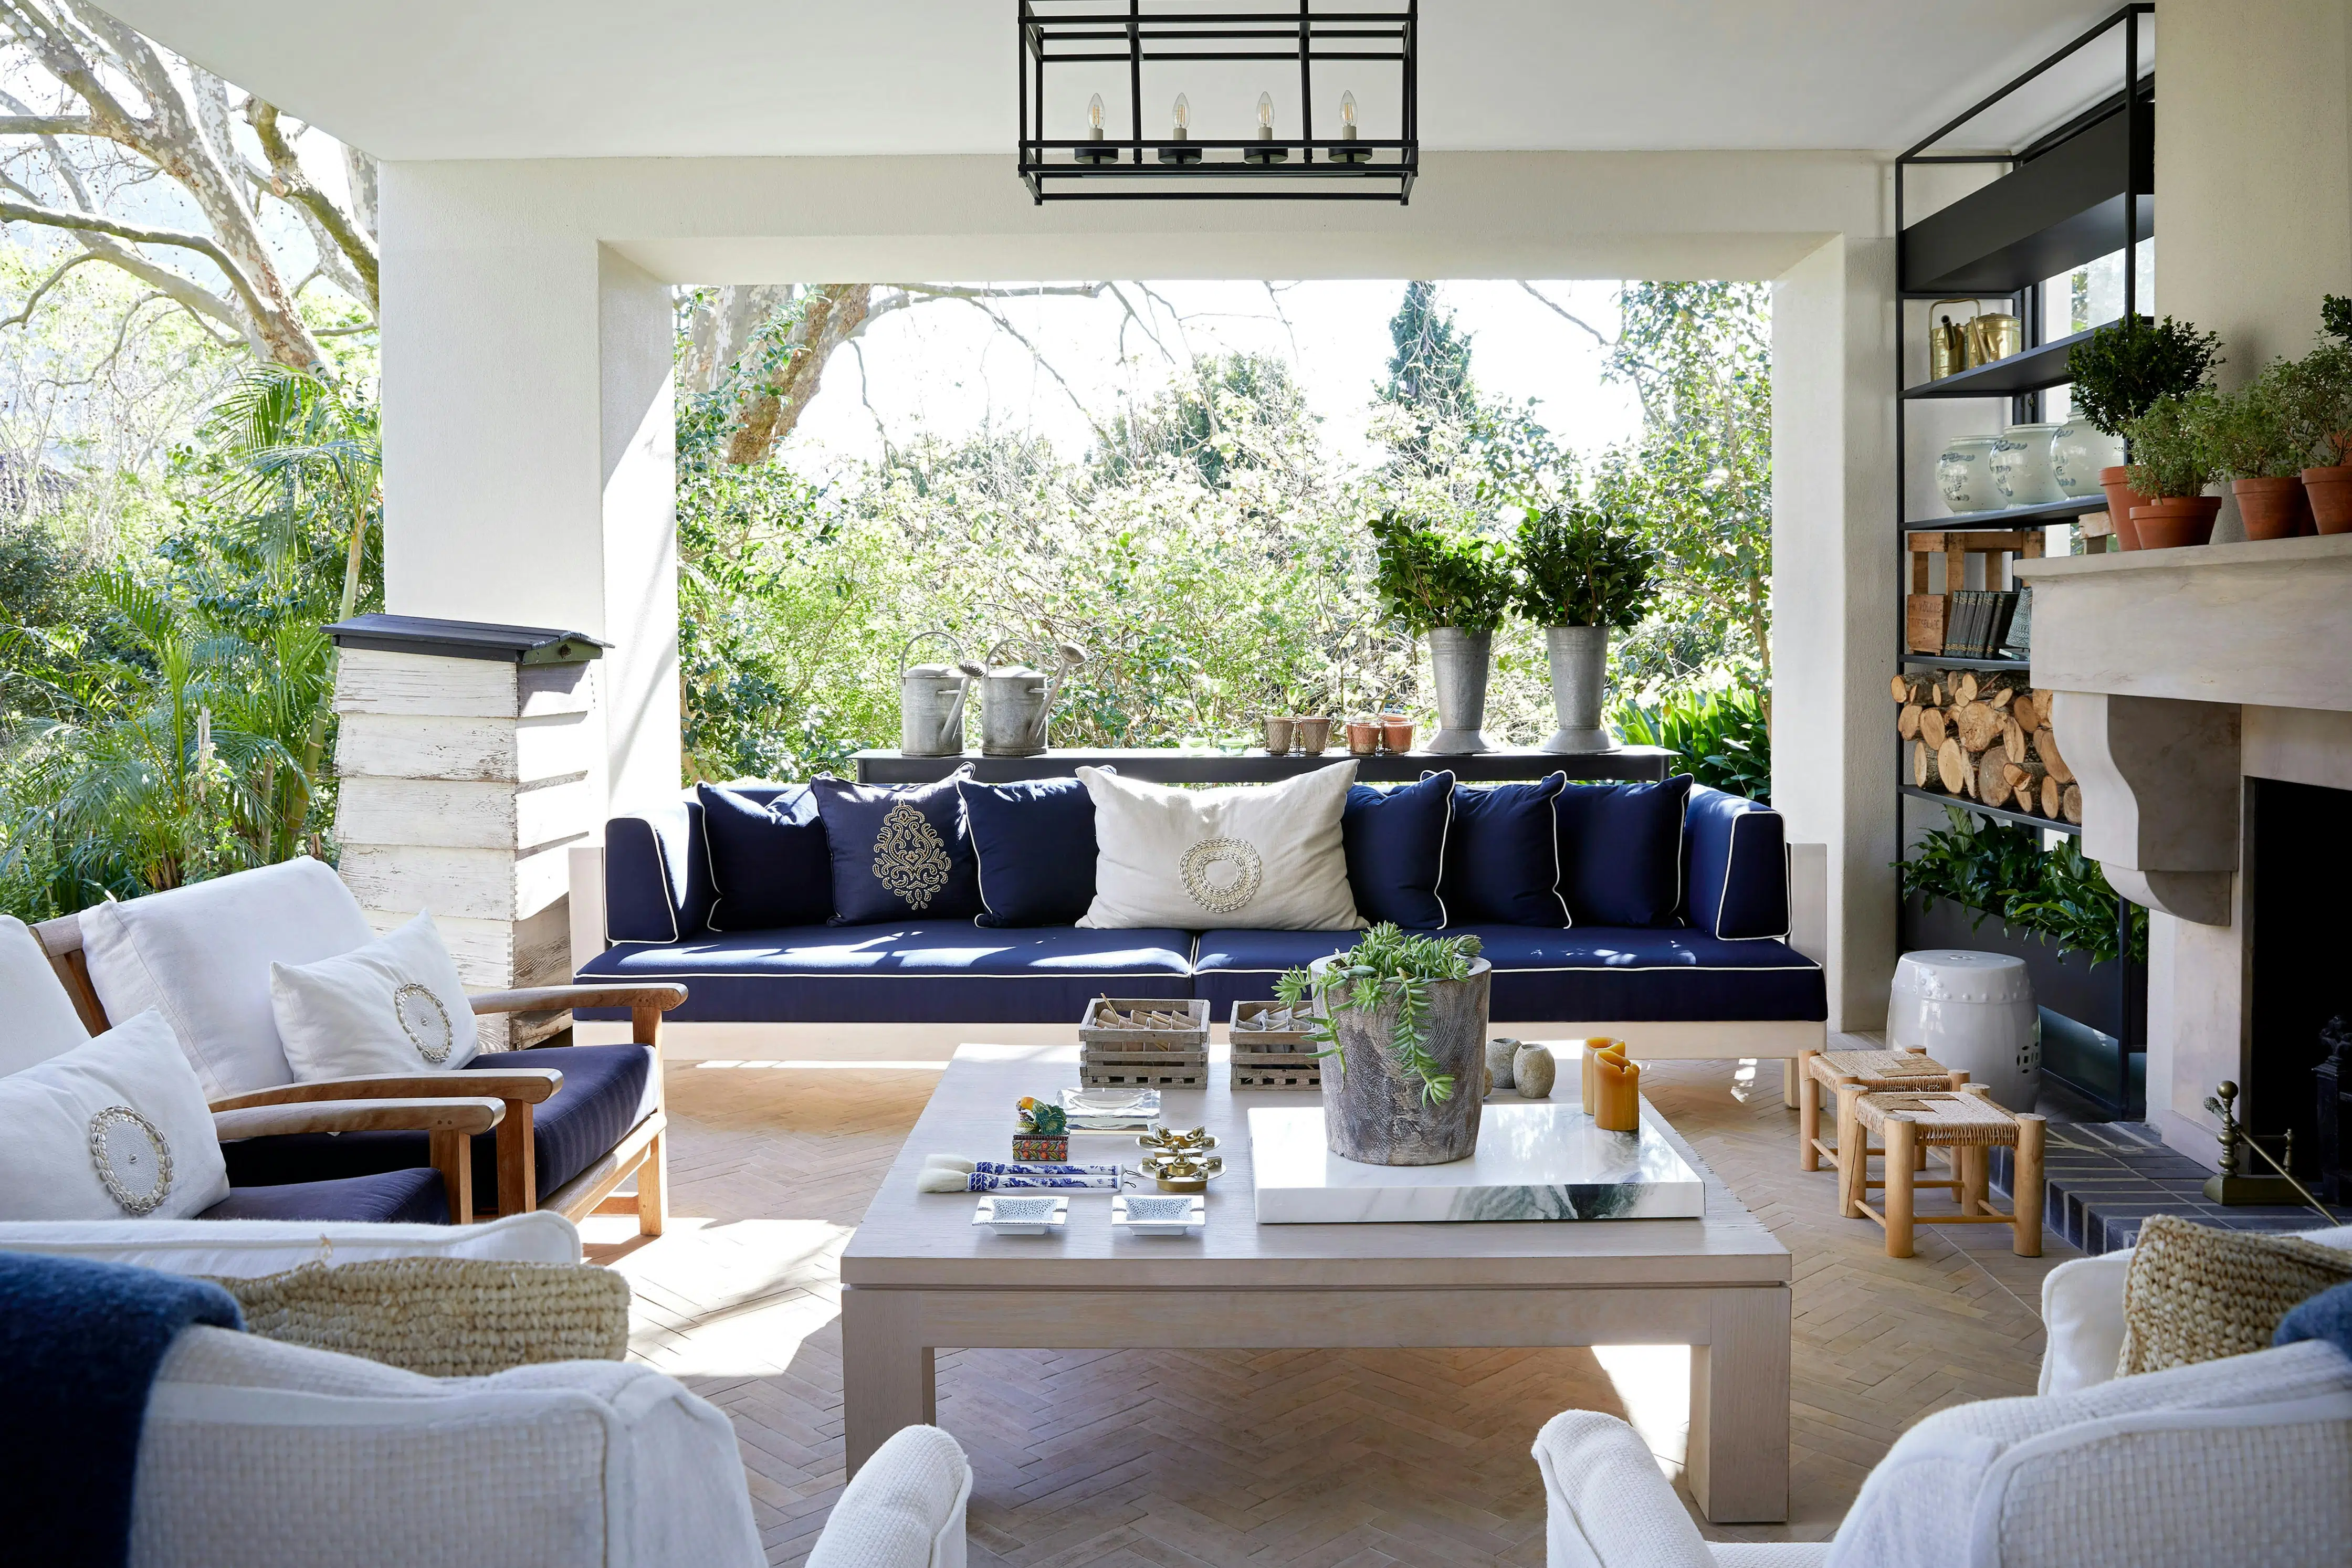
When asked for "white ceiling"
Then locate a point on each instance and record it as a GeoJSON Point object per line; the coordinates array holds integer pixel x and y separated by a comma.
{"type": "Point", "coordinates": [581, 79]}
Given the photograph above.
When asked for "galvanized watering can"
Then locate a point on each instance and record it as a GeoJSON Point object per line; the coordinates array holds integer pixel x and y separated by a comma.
{"type": "Point", "coordinates": [931, 701]}
{"type": "Point", "coordinates": [1015, 701]}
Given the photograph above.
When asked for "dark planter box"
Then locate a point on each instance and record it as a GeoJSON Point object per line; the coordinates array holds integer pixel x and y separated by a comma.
{"type": "Point", "coordinates": [2093, 1034]}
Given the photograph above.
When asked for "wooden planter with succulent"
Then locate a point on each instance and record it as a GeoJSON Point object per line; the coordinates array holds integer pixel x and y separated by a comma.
{"type": "Point", "coordinates": [1401, 1020]}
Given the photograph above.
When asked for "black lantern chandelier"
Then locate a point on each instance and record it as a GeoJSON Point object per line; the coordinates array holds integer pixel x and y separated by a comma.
{"type": "Point", "coordinates": [1328, 44]}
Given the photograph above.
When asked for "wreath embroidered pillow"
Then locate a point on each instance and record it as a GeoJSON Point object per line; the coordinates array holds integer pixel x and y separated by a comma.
{"type": "Point", "coordinates": [116, 1128]}
{"type": "Point", "coordinates": [898, 853]}
{"type": "Point", "coordinates": [393, 1006]}
{"type": "Point", "coordinates": [1268, 857]}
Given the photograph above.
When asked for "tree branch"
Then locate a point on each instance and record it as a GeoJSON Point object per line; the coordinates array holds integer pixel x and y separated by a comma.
{"type": "Point", "coordinates": [329, 223]}
{"type": "Point", "coordinates": [49, 125]}
{"type": "Point", "coordinates": [137, 233]}
{"type": "Point", "coordinates": [21, 316]}
{"type": "Point", "coordinates": [1566, 315]}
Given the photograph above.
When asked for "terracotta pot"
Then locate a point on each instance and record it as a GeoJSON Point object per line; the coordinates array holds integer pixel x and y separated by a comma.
{"type": "Point", "coordinates": [2121, 499]}
{"type": "Point", "coordinates": [1363, 736]}
{"type": "Point", "coordinates": [2170, 522]}
{"type": "Point", "coordinates": [1398, 734]}
{"type": "Point", "coordinates": [2331, 497]}
{"type": "Point", "coordinates": [2272, 509]}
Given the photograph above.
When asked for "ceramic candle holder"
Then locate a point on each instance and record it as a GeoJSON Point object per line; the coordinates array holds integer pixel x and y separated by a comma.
{"type": "Point", "coordinates": [1279, 734]}
{"type": "Point", "coordinates": [1313, 735]}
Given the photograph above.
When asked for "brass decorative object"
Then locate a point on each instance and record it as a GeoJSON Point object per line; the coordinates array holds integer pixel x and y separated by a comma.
{"type": "Point", "coordinates": [1169, 1141]}
{"type": "Point", "coordinates": [1182, 1173]}
{"type": "Point", "coordinates": [2233, 1188]}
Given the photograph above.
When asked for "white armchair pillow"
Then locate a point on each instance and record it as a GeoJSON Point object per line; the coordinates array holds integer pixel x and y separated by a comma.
{"type": "Point", "coordinates": [116, 1128]}
{"type": "Point", "coordinates": [201, 955]}
{"type": "Point", "coordinates": [37, 1019]}
{"type": "Point", "coordinates": [1267, 857]}
{"type": "Point", "coordinates": [261, 1455]}
{"type": "Point", "coordinates": [247, 1249]}
{"type": "Point", "coordinates": [393, 1006]}
{"type": "Point", "coordinates": [904, 1510]}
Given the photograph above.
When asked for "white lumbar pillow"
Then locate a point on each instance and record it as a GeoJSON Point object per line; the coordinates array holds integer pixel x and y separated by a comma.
{"type": "Point", "coordinates": [37, 1019]}
{"type": "Point", "coordinates": [200, 955]}
{"type": "Point", "coordinates": [394, 1006]}
{"type": "Point", "coordinates": [1264, 856]}
{"type": "Point", "coordinates": [116, 1128]}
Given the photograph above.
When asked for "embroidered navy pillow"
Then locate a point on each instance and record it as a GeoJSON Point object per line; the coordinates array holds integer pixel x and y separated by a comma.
{"type": "Point", "coordinates": [1035, 842]}
{"type": "Point", "coordinates": [768, 861]}
{"type": "Point", "coordinates": [1621, 851]}
{"type": "Point", "coordinates": [1395, 842]}
{"type": "Point", "coordinates": [898, 853]}
{"type": "Point", "coordinates": [1502, 855]}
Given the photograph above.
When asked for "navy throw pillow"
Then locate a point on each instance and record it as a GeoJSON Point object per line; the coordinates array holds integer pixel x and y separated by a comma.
{"type": "Point", "coordinates": [1502, 855]}
{"type": "Point", "coordinates": [1621, 851]}
{"type": "Point", "coordinates": [1034, 841]}
{"type": "Point", "coordinates": [769, 864]}
{"type": "Point", "coordinates": [1736, 867]}
{"type": "Point", "coordinates": [1395, 841]}
{"type": "Point", "coordinates": [898, 853]}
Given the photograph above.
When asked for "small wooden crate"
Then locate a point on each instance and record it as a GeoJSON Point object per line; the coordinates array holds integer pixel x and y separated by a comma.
{"type": "Point", "coordinates": [1100, 1068]}
{"type": "Point", "coordinates": [1100, 1041]}
{"type": "Point", "coordinates": [1271, 1059]}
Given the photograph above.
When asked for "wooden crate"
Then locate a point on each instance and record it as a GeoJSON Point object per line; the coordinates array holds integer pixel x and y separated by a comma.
{"type": "Point", "coordinates": [1271, 1059]}
{"type": "Point", "coordinates": [1926, 617]}
{"type": "Point", "coordinates": [1113, 1069]}
{"type": "Point", "coordinates": [1163, 1041]}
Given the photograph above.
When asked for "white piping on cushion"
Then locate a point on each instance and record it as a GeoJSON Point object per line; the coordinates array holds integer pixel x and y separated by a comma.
{"type": "Point", "coordinates": [1732, 859]}
{"type": "Point", "coordinates": [978, 880]}
{"type": "Point", "coordinates": [1992, 1494]}
{"type": "Point", "coordinates": [1559, 871]}
{"type": "Point", "coordinates": [662, 860]}
{"type": "Point", "coordinates": [1445, 838]}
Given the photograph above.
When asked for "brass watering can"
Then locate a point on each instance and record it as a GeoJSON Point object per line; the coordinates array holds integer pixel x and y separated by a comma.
{"type": "Point", "coordinates": [1984, 337]}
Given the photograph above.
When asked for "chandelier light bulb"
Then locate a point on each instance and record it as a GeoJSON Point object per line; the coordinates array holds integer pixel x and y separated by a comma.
{"type": "Point", "coordinates": [1348, 111]}
{"type": "Point", "coordinates": [1266, 114]}
{"type": "Point", "coordinates": [1183, 115]}
{"type": "Point", "coordinates": [1095, 113]}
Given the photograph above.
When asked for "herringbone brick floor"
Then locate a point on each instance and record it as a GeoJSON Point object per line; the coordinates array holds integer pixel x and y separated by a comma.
{"type": "Point", "coordinates": [1308, 1458]}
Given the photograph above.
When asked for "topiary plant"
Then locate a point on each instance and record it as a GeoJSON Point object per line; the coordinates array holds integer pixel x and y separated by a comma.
{"type": "Point", "coordinates": [1583, 569]}
{"type": "Point", "coordinates": [2252, 434]}
{"type": "Point", "coordinates": [2121, 370]}
{"type": "Point", "coordinates": [1432, 575]}
{"type": "Point", "coordinates": [2172, 447]}
{"type": "Point", "coordinates": [2316, 392]}
{"type": "Point", "coordinates": [1385, 964]}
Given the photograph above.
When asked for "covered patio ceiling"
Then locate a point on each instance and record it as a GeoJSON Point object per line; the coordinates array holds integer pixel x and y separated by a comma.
{"type": "Point", "coordinates": [417, 79]}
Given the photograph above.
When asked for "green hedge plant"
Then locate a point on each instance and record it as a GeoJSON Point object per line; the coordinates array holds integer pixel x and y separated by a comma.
{"type": "Point", "coordinates": [2172, 445]}
{"type": "Point", "coordinates": [1582, 568]}
{"type": "Point", "coordinates": [1436, 572]}
{"type": "Point", "coordinates": [2316, 393]}
{"type": "Point", "coordinates": [2253, 433]}
{"type": "Point", "coordinates": [2124, 368]}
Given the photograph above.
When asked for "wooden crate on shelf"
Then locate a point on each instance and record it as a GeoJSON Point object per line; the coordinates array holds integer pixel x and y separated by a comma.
{"type": "Point", "coordinates": [1927, 617]}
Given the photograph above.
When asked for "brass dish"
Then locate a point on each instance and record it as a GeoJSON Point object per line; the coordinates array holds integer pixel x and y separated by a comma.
{"type": "Point", "coordinates": [1170, 1141]}
{"type": "Point", "coordinates": [1182, 1173]}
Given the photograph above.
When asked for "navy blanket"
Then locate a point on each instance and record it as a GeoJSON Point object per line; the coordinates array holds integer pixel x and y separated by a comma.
{"type": "Point", "coordinates": [80, 1346]}
{"type": "Point", "coordinates": [2328, 1315]}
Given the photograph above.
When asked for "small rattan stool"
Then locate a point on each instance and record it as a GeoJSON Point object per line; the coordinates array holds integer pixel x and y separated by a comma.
{"type": "Point", "coordinates": [1821, 1072]}
{"type": "Point", "coordinates": [1968, 1124]}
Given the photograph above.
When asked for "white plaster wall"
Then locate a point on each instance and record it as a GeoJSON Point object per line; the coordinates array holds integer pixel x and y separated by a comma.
{"type": "Point", "coordinates": [527, 434]}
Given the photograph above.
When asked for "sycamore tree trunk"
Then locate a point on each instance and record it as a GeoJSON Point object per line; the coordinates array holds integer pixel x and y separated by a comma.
{"type": "Point", "coordinates": [832, 313]}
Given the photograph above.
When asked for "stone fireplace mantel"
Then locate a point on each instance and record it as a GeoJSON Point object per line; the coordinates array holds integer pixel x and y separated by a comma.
{"type": "Point", "coordinates": [2154, 653]}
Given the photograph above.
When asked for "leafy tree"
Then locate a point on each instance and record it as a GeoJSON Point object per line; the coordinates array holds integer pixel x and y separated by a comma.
{"type": "Point", "coordinates": [1234, 411]}
{"type": "Point", "coordinates": [1430, 370]}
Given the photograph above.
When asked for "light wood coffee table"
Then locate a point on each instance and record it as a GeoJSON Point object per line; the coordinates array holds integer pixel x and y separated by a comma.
{"type": "Point", "coordinates": [918, 1275]}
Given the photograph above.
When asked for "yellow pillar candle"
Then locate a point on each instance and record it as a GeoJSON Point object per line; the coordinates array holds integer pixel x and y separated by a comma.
{"type": "Point", "coordinates": [1617, 1091]}
{"type": "Point", "coordinates": [1592, 1049]}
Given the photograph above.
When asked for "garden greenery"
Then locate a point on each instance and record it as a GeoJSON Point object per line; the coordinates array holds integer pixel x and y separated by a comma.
{"type": "Point", "coordinates": [1387, 964]}
{"type": "Point", "coordinates": [1582, 568]}
{"type": "Point", "coordinates": [2172, 445]}
{"type": "Point", "coordinates": [1722, 739]}
{"type": "Point", "coordinates": [2002, 872]}
{"type": "Point", "coordinates": [2252, 434]}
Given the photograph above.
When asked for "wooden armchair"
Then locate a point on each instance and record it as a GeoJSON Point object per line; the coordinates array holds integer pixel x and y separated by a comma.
{"type": "Point", "coordinates": [448, 1106]}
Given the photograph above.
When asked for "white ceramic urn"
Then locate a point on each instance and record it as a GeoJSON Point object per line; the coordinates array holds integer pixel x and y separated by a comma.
{"type": "Point", "coordinates": [2077, 452]}
{"type": "Point", "coordinates": [2021, 466]}
{"type": "Point", "coordinates": [1964, 473]}
{"type": "Point", "coordinates": [1972, 1012]}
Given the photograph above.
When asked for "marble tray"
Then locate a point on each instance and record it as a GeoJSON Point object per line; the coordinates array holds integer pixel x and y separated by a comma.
{"type": "Point", "coordinates": [1537, 1159]}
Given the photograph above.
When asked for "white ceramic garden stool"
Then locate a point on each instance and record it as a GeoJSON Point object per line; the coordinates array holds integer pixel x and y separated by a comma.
{"type": "Point", "coordinates": [1973, 1013]}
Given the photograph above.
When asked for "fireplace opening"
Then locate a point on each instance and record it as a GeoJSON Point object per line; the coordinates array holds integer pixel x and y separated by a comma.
{"type": "Point", "coordinates": [2299, 975]}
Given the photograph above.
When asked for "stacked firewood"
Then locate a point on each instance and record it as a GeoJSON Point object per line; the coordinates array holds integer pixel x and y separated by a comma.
{"type": "Point", "coordinates": [1985, 735]}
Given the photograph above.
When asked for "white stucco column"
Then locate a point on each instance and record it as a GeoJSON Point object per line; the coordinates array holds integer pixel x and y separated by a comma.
{"type": "Point", "coordinates": [1834, 608]}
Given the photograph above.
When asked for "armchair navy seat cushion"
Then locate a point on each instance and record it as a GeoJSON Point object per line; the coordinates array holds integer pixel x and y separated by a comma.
{"type": "Point", "coordinates": [606, 1090]}
{"type": "Point", "coordinates": [947, 971]}
{"type": "Point", "coordinates": [412, 1197]}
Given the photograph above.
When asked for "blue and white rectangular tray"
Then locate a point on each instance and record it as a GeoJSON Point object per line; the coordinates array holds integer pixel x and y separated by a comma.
{"type": "Point", "coordinates": [1537, 1159]}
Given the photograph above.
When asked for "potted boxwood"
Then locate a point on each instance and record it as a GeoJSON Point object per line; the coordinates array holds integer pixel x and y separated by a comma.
{"type": "Point", "coordinates": [2254, 439]}
{"type": "Point", "coordinates": [2172, 462]}
{"type": "Point", "coordinates": [2317, 392]}
{"type": "Point", "coordinates": [1582, 573]}
{"type": "Point", "coordinates": [2119, 371]}
{"type": "Point", "coordinates": [1454, 587]}
{"type": "Point", "coordinates": [1401, 1020]}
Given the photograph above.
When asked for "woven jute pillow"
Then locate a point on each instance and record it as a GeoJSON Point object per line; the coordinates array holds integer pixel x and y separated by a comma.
{"type": "Point", "coordinates": [445, 1317]}
{"type": "Point", "coordinates": [2193, 1293]}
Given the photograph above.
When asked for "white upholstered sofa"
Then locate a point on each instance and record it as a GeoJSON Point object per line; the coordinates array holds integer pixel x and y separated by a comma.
{"type": "Point", "coordinates": [2246, 1462]}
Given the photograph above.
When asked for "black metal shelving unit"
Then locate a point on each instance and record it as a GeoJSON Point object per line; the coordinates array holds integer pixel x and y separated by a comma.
{"type": "Point", "coordinates": [2080, 191]}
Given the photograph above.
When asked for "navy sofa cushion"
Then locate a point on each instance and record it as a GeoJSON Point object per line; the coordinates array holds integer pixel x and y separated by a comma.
{"type": "Point", "coordinates": [768, 859]}
{"type": "Point", "coordinates": [1585, 975]}
{"type": "Point", "coordinates": [902, 853]}
{"type": "Point", "coordinates": [412, 1196]}
{"type": "Point", "coordinates": [1736, 883]}
{"type": "Point", "coordinates": [919, 972]}
{"type": "Point", "coordinates": [647, 896]}
{"type": "Point", "coordinates": [1395, 841]}
{"type": "Point", "coordinates": [1621, 851]}
{"type": "Point", "coordinates": [1034, 844]}
{"type": "Point", "coordinates": [606, 1090]}
{"type": "Point", "coordinates": [1502, 855]}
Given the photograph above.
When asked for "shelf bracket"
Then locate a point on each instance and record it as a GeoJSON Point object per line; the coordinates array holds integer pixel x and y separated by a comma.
{"type": "Point", "coordinates": [2160, 781]}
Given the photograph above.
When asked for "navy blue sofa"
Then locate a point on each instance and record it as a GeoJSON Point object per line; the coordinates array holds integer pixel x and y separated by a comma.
{"type": "Point", "coordinates": [1680, 991]}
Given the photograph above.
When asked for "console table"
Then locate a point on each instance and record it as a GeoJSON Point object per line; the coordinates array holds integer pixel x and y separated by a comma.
{"type": "Point", "coordinates": [1201, 765]}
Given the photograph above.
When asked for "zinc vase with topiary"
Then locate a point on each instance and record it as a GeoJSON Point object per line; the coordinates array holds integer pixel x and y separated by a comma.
{"type": "Point", "coordinates": [1454, 585]}
{"type": "Point", "coordinates": [1582, 573]}
{"type": "Point", "coordinates": [1401, 1020]}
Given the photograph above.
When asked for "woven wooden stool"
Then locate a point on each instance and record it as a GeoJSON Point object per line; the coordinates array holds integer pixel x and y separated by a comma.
{"type": "Point", "coordinates": [1821, 1072]}
{"type": "Point", "coordinates": [1966, 1124]}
